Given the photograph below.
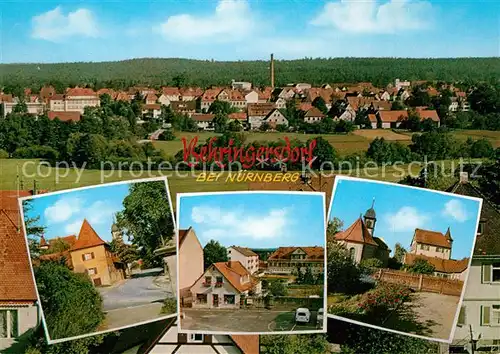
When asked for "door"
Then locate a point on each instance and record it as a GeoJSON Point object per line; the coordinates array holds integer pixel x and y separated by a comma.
{"type": "Point", "coordinates": [97, 282]}
{"type": "Point", "coordinates": [215, 300]}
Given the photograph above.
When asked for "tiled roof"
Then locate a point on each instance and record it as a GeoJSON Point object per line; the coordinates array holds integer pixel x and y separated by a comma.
{"type": "Point", "coordinates": [56, 97]}
{"type": "Point", "coordinates": [265, 94]}
{"type": "Point", "coordinates": [183, 106]}
{"type": "Point", "coordinates": [314, 112]}
{"type": "Point", "coordinates": [211, 94]}
{"type": "Point", "coordinates": [16, 281]}
{"type": "Point", "coordinates": [382, 105]}
{"type": "Point", "coordinates": [233, 271]}
{"type": "Point", "coordinates": [57, 256]}
{"type": "Point", "coordinates": [70, 240]}
{"type": "Point", "coordinates": [203, 117]}
{"type": "Point", "coordinates": [6, 98]}
{"type": "Point", "coordinates": [182, 235]}
{"type": "Point", "coordinates": [103, 91]}
{"type": "Point", "coordinates": [191, 91]}
{"type": "Point", "coordinates": [305, 106]}
{"type": "Point", "coordinates": [78, 91]}
{"type": "Point", "coordinates": [440, 265]}
{"type": "Point", "coordinates": [260, 109]}
{"type": "Point", "coordinates": [122, 96]}
{"type": "Point", "coordinates": [372, 118]}
{"type": "Point", "coordinates": [87, 237]}
{"type": "Point", "coordinates": [324, 93]}
{"type": "Point", "coordinates": [312, 253]}
{"type": "Point", "coordinates": [428, 114]}
{"type": "Point", "coordinates": [357, 233]}
{"type": "Point", "coordinates": [154, 106]}
{"type": "Point", "coordinates": [170, 91]}
{"type": "Point", "coordinates": [434, 238]}
{"type": "Point", "coordinates": [248, 344]}
{"type": "Point", "coordinates": [245, 251]}
{"type": "Point", "coordinates": [64, 116]}
{"type": "Point", "coordinates": [393, 116]}
{"type": "Point", "coordinates": [151, 97]}
{"type": "Point", "coordinates": [488, 243]}
{"type": "Point", "coordinates": [238, 116]}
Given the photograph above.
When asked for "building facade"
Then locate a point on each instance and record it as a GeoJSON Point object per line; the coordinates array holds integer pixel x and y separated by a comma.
{"type": "Point", "coordinates": [248, 258]}
{"type": "Point", "coordinates": [288, 260]}
{"type": "Point", "coordinates": [431, 243]}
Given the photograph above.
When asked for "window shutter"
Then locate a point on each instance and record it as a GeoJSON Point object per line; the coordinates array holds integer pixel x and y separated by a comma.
{"type": "Point", "coordinates": [83, 257]}
{"type": "Point", "coordinates": [182, 338]}
{"type": "Point", "coordinates": [461, 316]}
{"type": "Point", "coordinates": [486, 273]}
{"type": "Point", "coordinates": [207, 339]}
{"type": "Point", "coordinates": [485, 315]}
{"type": "Point", "coordinates": [92, 253]}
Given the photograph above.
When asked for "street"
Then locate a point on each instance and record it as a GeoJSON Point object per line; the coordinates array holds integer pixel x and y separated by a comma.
{"type": "Point", "coordinates": [240, 320]}
{"type": "Point", "coordinates": [144, 287]}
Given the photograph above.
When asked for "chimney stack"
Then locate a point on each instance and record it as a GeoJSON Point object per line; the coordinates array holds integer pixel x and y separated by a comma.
{"type": "Point", "coordinates": [272, 71]}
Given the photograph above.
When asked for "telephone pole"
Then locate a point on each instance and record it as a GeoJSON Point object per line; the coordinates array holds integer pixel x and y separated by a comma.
{"type": "Point", "coordinates": [472, 344]}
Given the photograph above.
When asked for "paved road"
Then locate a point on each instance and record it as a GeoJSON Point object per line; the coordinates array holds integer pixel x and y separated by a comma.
{"type": "Point", "coordinates": [144, 287]}
{"type": "Point", "coordinates": [132, 315]}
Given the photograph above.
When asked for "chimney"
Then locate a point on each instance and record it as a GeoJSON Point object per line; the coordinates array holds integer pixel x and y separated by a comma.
{"type": "Point", "coordinates": [464, 177]}
{"type": "Point", "coordinates": [272, 71]}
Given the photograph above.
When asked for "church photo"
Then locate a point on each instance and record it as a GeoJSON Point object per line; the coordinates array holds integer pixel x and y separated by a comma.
{"type": "Point", "coordinates": [398, 256]}
{"type": "Point", "coordinates": [103, 257]}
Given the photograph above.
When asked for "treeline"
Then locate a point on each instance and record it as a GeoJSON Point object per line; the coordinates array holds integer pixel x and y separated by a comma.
{"type": "Point", "coordinates": [181, 72]}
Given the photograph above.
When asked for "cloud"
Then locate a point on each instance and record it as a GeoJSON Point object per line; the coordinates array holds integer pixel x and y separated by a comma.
{"type": "Point", "coordinates": [54, 25]}
{"type": "Point", "coordinates": [239, 224]}
{"type": "Point", "coordinates": [73, 228]}
{"type": "Point", "coordinates": [455, 209]}
{"type": "Point", "coordinates": [406, 219]}
{"type": "Point", "coordinates": [232, 20]}
{"type": "Point", "coordinates": [62, 210]}
{"type": "Point", "coordinates": [369, 16]}
{"type": "Point", "coordinates": [100, 212]}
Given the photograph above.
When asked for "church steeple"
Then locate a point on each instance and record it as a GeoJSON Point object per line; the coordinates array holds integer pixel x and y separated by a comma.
{"type": "Point", "coordinates": [370, 218]}
{"type": "Point", "coordinates": [116, 233]}
{"type": "Point", "coordinates": [448, 235]}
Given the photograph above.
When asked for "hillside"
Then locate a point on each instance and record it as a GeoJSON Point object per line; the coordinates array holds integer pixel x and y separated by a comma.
{"type": "Point", "coordinates": [379, 71]}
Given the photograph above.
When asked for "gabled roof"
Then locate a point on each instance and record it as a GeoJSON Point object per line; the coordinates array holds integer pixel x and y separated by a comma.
{"type": "Point", "coordinates": [393, 116]}
{"type": "Point", "coordinates": [357, 233]}
{"type": "Point", "coordinates": [440, 265]}
{"type": "Point", "coordinates": [238, 116]}
{"type": "Point", "coordinates": [434, 238]}
{"type": "Point", "coordinates": [260, 109]}
{"type": "Point", "coordinates": [244, 251]}
{"type": "Point", "coordinates": [211, 94]}
{"type": "Point", "coordinates": [70, 240]}
{"type": "Point", "coordinates": [312, 253]}
{"type": "Point", "coordinates": [16, 281]}
{"type": "Point", "coordinates": [87, 237]}
{"type": "Point", "coordinates": [314, 112]}
{"type": "Point", "coordinates": [488, 243]}
{"type": "Point", "coordinates": [64, 116]}
{"type": "Point", "coordinates": [151, 97]}
{"type": "Point", "coordinates": [233, 271]}
{"type": "Point", "coordinates": [203, 117]}
{"type": "Point", "coordinates": [170, 91]}
{"type": "Point", "coordinates": [428, 114]}
{"type": "Point", "coordinates": [78, 91]}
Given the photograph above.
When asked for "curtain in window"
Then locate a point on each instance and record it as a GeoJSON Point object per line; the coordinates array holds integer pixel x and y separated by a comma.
{"type": "Point", "coordinates": [3, 323]}
{"type": "Point", "coordinates": [13, 323]}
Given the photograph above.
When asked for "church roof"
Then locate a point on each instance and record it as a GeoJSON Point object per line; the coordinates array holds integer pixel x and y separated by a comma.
{"type": "Point", "coordinates": [87, 238]}
{"type": "Point", "coordinates": [433, 238]}
{"type": "Point", "coordinates": [357, 232]}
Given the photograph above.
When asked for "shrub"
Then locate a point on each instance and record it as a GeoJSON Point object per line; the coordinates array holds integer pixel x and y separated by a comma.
{"type": "Point", "coordinates": [167, 135]}
{"type": "Point", "coordinates": [343, 273]}
{"type": "Point", "coordinates": [369, 265]}
{"type": "Point", "coordinates": [36, 151]}
{"type": "Point", "coordinates": [385, 297]}
{"type": "Point", "coordinates": [169, 306]}
{"type": "Point", "coordinates": [4, 154]}
{"type": "Point", "coordinates": [421, 266]}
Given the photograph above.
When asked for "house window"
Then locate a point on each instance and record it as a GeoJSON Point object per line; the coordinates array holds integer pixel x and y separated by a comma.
{"type": "Point", "coordinates": [92, 271]}
{"type": "Point", "coordinates": [219, 281]}
{"type": "Point", "coordinates": [229, 299]}
{"type": "Point", "coordinates": [8, 324]}
{"type": "Point", "coordinates": [495, 315]}
{"type": "Point", "coordinates": [208, 281]}
{"type": "Point", "coordinates": [495, 272]}
{"type": "Point", "coordinates": [88, 256]}
{"type": "Point", "coordinates": [352, 253]}
{"type": "Point", "coordinates": [201, 298]}
{"type": "Point", "coordinates": [195, 338]}
{"type": "Point", "coordinates": [480, 227]}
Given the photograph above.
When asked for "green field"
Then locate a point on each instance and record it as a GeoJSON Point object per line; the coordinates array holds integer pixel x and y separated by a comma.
{"type": "Point", "coordinates": [345, 144]}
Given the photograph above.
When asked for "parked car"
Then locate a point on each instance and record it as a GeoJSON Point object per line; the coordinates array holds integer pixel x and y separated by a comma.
{"type": "Point", "coordinates": [319, 317]}
{"type": "Point", "coordinates": [302, 315]}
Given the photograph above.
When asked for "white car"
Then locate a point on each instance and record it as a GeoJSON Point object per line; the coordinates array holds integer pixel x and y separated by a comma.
{"type": "Point", "coordinates": [302, 315]}
{"type": "Point", "coordinates": [319, 317]}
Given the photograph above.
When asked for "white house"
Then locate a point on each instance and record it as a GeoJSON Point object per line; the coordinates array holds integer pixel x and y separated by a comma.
{"type": "Point", "coordinates": [480, 312]}
{"type": "Point", "coordinates": [223, 285]}
{"type": "Point", "coordinates": [257, 112]}
{"type": "Point", "coordinates": [275, 117]}
{"type": "Point", "coordinates": [245, 256]}
{"type": "Point", "coordinates": [252, 97]}
{"type": "Point", "coordinates": [76, 99]}
{"type": "Point", "coordinates": [241, 85]}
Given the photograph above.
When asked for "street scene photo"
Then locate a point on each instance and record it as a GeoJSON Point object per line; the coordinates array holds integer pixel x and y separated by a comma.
{"type": "Point", "coordinates": [398, 256]}
{"type": "Point", "coordinates": [103, 257]}
{"type": "Point", "coordinates": [251, 262]}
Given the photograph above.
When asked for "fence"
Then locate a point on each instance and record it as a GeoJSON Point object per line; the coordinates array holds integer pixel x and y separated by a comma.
{"type": "Point", "coordinates": [421, 282]}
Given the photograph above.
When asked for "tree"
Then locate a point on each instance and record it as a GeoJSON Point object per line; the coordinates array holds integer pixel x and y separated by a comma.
{"type": "Point", "coordinates": [167, 135]}
{"type": "Point", "coordinates": [324, 153]}
{"type": "Point", "coordinates": [413, 122]}
{"type": "Point", "coordinates": [296, 344]}
{"type": "Point", "coordinates": [342, 272]}
{"type": "Point", "coordinates": [57, 246]}
{"type": "Point", "coordinates": [220, 107]}
{"type": "Point", "coordinates": [71, 305]}
{"type": "Point", "coordinates": [278, 288]}
{"type": "Point", "coordinates": [481, 148]}
{"type": "Point", "coordinates": [87, 150]}
{"type": "Point", "coordinates": [214, 252]}
{"type": "Point", "coordinates": [126, 253]}
{"type": "Point", "coordinates": [33, 230]}
{"type": "Point", "coordinates": [234, 126]}
{"type": "Point", "coordinates": [421, 266]}
{"type": "Point", "coordinates": [335, 225]}
{"type": "Point", "coordinates": [320, 104]}
{"type": "Point", "coordinates": [146, 217]}
{"type": "Point", "coordinates": [399, 252]}
{"type": "Point", "coordinates": [308, 276]}
{"type": "Point", "coordinates": [220, 122]}
{"type": "Point", "coordinates": [264, 127]}
{"type": "Point", "coordinates": [485, 99]}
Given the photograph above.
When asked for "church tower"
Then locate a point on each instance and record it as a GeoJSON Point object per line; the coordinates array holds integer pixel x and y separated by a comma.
{"type": "Point", "coordinates": [116, 233]}
{"type": "Point", "coordinates": [370, 218]}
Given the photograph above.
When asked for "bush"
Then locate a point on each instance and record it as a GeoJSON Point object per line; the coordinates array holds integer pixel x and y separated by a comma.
{"type": "Point", "coordinates": [36, 152]}
{"type": "Point", "coordinates": [4, 154]}
{"type": "Point", "coordinates": [71, 304]}
{"type": "Point", "coordinates": [369, 265]}
{"type": "Point", "coordinates": [278, 288]}
{"type": "Point", "coordinates": [167, 135]}
{"type": "Point", "coordinates": [343, 273]}
{"type": "Point", "coordinates": [169, 306]}
{"type": "Point", "coordinates": [421, 266]}
{"type": "Point", "coordinates": [385, 297]}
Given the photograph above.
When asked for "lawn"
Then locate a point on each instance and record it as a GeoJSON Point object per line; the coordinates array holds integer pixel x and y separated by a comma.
{"type": "Point", "coordinates": [387, 134]}
{"type": "Point", "coordinates": [492, 136]}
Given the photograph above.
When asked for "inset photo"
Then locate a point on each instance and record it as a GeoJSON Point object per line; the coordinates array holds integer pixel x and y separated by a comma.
{"type": "Point", "coordinates": [251, 262]}
{"type": "Point", "coordinates": [398, 256]}
{"type": "Point", "coordinates": [103, 257]}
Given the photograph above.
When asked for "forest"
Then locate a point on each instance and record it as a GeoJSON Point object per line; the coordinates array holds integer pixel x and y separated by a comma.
{"type": "Point", "coordinates": [204, 73]}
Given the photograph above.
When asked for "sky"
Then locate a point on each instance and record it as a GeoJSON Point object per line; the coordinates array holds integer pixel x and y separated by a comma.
{"type": "Point", "coordinates": [63, 214]}
{"type": "Point", "coordinates": [400, 210]}
{"type": "Point", "coordinates": [62, 31]}
{"type": "Point", "coordinates": [255, 220]}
